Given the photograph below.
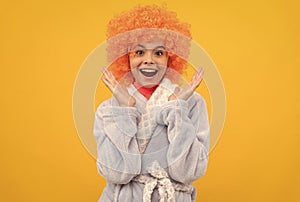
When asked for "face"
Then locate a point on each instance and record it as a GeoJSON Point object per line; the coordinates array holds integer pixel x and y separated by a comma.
{"type": "Point", "coordinates": [148, 63]}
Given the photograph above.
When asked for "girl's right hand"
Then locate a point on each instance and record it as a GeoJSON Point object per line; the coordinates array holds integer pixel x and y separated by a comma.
{"type": "Point", "coordinates": [119, 91]}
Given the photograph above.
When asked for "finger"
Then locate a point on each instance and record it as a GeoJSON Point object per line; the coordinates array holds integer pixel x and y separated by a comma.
{"type": "Point", "coordinates": [104, 77]}
{"type": "Point", "coordinates": [198, 73]}
{"type": "Point", "coordinates": [108, 84]}
{"type": "Point", "coordinates": [200, 69]}
{"type": "Point", "coordinates": [110, 74]}
{"type": "Point", "coordinates": [194, 79]}
{"type": "Point", "coordinates": [109, 81]}
{"type": "Point", "coordinates": [105, 74]}
{"type": "Point", "coordinates": [104, 69]}
{"type": "Point", "coordinates": [172, 97]}
{"type": "Point", "coordinates": [201, 72]}
{"type": "Point", "coordinates": [176, 91]}
{"type": "Point", "coordinates": [195, 82]}
{"type": "Point", "coordinates": [110, 77]}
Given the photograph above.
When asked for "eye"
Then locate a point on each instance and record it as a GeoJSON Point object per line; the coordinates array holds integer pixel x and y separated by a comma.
{"type": "Point", "coordinates": [139, 52]}
{"type": "Point", "coordinates": [159, 53]}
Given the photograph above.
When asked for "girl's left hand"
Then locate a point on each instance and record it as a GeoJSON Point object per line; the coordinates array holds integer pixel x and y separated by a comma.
{"type": "Point", "coordinates": [185, 93]}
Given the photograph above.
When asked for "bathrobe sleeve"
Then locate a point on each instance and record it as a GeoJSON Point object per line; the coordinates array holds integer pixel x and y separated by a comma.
{"type": "Point", "coordinates": [188, 134]}
{"type": "Point", "coordinates": [115, 129]}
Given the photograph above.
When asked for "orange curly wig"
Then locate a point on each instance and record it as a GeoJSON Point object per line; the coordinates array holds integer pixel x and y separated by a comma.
{"type": "Point", "coordinates": [146, 23]}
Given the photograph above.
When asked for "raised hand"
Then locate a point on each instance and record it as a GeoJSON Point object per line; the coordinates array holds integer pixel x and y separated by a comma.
{"type": "Point", "coordinates": [185, 93]}
{"type": "Point", "coordinates": [120, 92]}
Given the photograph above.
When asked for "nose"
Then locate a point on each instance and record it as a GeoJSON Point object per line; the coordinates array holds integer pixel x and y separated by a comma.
{"type": "Point", "coordinates": [148, 60]}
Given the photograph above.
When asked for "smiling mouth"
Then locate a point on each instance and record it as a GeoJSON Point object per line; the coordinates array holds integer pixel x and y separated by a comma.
{"type": "Point", "coordinates": [149, 72]}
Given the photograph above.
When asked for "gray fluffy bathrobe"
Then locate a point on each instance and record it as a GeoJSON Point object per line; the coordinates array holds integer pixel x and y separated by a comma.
{"type": "Point", "coordinates": [154, 150]}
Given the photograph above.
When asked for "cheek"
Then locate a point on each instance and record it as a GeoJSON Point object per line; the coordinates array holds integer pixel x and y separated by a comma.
{"type": "Point", "coordinates": [134, 71]}
{"type": "Point", "coordinates": [134, 62]}
{"type": "Point", "coordinates": [163, 71]}
{"type": "Point", "coordinates": [164, 61]}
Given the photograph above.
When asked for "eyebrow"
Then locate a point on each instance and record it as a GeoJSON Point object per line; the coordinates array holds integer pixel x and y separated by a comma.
{"type": "Point", "coordinates": [157, 47]}
{"type": "Point", "coordinates": [141, 46]}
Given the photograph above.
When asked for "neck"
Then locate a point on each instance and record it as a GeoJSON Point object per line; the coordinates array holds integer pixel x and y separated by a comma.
{"type": "Point", "coordinates": [146, 92]}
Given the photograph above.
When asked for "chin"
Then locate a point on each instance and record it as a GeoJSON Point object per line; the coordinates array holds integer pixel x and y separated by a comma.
{"type": "Point", "coordinates": [149, 85]}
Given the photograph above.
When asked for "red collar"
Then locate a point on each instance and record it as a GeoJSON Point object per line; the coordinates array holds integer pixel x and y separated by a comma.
{"type": "Point", "coordinates": [146, 92]}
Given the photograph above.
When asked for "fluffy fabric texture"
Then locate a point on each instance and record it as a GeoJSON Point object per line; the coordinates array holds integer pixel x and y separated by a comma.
{"type": "Point", "coordinates": [179, 143]}
{"type": "Point", "coordinates": [159, 178]}
{"type": "Point", "coordinates": [147, 124]}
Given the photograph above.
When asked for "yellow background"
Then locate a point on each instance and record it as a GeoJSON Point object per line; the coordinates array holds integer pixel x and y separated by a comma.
{"type": "Point", "coordinates": [255, 45]}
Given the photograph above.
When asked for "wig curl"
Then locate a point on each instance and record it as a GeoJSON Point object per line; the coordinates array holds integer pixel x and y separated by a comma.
{"type": "Point", "coordinates": [145, 23]}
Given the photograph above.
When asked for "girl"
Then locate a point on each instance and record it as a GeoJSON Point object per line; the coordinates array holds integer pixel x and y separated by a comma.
{"type": "Point", "coordinates": [152, 136]}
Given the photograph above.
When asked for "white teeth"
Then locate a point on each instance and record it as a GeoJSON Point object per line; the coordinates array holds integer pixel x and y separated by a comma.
{"type": "Point", "coordinates": [148, 70]}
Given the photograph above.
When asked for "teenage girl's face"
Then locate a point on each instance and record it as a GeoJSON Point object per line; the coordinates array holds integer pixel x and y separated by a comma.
{"type": "Point", "coordinates": [148, 63]}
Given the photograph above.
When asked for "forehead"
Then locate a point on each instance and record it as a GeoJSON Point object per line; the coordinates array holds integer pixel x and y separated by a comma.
{"type": "Point", "coordinates": [148, 45]}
